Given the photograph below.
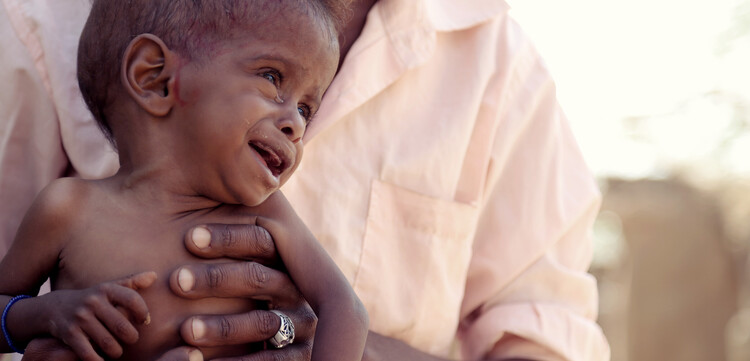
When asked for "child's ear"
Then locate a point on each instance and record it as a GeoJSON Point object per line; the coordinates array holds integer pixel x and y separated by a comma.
{"type": "Point", "coordinates": [148, 73]}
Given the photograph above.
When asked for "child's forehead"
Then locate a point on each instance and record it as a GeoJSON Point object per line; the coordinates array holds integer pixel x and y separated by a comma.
{"type": "Point", "coordinates": [285, 39]}
{"type": "Point", "coordinates": [258, 13]}
{"type": "Point", "coordinates": [264, 22]}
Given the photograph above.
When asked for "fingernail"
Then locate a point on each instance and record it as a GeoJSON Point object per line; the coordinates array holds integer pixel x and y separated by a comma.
{"type": "Point", "coordinates": [201, 237]}
{"type": "Point", "coordinates": [148, 319]}
{"type": "Point", "coordinates": [195, 355]}
{"type": "Point", "coordinates": [199, 329]}
{"type": "Point", "coordinates": [186, 280]}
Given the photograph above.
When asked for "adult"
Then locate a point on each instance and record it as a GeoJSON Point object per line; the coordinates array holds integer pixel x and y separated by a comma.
{"type": "Point", "coordinates": [439, 173]}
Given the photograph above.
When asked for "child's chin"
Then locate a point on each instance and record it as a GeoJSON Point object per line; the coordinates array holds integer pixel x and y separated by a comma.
{"type": "Point", "coordinates": [256, 199]}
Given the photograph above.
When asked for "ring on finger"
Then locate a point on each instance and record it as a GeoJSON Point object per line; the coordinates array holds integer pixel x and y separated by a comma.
{"type": "Point", "coordinates": [285, 335]}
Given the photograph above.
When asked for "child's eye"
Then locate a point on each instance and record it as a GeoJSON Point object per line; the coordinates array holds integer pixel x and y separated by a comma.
{"type": "Point", "coordinates": [305, 112]}
{"type": "Point", "coordinates": [272, 76]}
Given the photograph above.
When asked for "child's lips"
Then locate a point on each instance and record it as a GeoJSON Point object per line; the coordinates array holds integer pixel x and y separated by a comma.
{"type": "Point", "coordinates": [276, 160]}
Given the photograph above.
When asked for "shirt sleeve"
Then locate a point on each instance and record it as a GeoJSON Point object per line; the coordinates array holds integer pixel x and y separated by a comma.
{"type": "Point", "coordinates": [31, 153]}
{"type": "Point", "coordinates": [528, 293]}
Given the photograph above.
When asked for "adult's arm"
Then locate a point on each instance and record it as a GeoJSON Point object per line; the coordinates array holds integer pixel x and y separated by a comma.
{"type": "Point", "coordinates": [528, 293]}
{"type": "Point", "coordinates": [31, 153]}
{"type": "Point", "coordinates": [46, 131]}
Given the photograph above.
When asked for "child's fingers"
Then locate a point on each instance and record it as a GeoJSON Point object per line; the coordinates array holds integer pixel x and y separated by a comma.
{"type": "Point", "coordinates": [138, 281]}
{"type": "Point", "coordinates": [127, 299]}
{"type": "Point", "coordinates": [77, 340]}
{"type": "Point", "coordinates": [117, 323]}
{"type": "Point", "coordinates": [103, 338]}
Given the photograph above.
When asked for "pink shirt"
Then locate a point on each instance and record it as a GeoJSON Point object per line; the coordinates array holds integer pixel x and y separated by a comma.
{"type": "Point", "coordinates": [439, 173]}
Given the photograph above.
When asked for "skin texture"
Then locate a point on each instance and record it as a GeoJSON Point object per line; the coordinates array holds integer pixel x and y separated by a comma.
{"type": "Point", "coordinates": [214, 149]}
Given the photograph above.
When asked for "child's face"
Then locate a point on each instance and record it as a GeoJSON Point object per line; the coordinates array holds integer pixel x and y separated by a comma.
{"type": "Point", "coordinates": [244, 110]}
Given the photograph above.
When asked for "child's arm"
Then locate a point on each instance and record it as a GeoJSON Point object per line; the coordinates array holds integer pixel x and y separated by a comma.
{"type": "Point", "coordinates": [82, 318]}
{"type": "Point", "coordinates": [342, 319]}
{"type": "Point", "coordinates": [77, 317]}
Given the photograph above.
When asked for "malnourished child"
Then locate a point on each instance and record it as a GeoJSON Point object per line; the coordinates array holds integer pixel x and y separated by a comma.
{"type": "Point", "coordinates": [206, 103]}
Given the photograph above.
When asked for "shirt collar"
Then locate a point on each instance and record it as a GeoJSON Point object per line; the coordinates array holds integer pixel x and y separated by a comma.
{"type": "Point", "coordinates": [412, 25]}
{"type": "Point", "coordinates": [399, 35]}
{"type": "Point", "coordinates": [442, 15]}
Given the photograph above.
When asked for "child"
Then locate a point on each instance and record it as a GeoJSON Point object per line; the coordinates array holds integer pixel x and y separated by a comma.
{"type": "Point", "coordinates": [206, 107]}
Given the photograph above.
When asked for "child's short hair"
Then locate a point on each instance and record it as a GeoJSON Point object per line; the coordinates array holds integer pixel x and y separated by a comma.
{"type": "Point", "coordinates": [185, 26]}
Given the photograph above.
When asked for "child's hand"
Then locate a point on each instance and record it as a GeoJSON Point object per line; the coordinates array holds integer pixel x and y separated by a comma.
{"type": "Point", "coordinates": [100, 315]}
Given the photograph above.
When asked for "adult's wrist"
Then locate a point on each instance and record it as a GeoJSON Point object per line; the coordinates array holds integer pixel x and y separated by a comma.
{"type": "Point", "coordinates": [382, 348]}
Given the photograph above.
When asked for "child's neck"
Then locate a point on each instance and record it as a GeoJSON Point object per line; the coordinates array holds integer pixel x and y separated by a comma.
{"type": "Point", "coordinates": [159, 189]}
{"type": "Point", "coordinates": [151, 174]}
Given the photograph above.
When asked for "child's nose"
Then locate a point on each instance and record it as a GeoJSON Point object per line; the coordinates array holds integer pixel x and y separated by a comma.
{"type": "Point", "coordinates": [292, 124]}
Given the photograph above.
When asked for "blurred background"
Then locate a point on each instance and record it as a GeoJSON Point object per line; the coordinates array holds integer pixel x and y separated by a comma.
{"type": "Point", "coordinates": [658, 94]}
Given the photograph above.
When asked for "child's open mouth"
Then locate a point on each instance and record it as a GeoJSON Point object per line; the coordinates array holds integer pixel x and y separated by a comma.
{"type": "Point", "coordinates": [275, 163]}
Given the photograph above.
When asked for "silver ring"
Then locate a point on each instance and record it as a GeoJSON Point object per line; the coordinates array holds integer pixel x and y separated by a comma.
{"type": "Point", "coordinates": [285, 335]}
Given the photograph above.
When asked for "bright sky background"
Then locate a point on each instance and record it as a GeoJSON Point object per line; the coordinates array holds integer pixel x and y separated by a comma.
{"type": "Point", "coordinates": [649, 85]}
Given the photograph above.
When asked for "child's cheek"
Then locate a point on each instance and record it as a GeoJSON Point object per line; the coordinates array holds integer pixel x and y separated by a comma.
{"type": "Point", "coordinates": [184, 93]}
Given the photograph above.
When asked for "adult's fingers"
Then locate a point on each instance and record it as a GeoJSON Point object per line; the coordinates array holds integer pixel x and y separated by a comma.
{"type": "Point", "coordinates": [254, 326]}
{"type": "Point", "coordinates": [236, 279]}
{"type": "Point", "coordinates": [45, 349]}
{"type": "Point", "coordinates": [239, 241]}
{"type": "Point", "coordinates": [184, 353]}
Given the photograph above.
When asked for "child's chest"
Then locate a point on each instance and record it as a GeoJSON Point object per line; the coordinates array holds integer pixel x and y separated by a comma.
{"type": "Point", "coordinates": [104, 253]}
{"type": "Point", "coordinates": [112, 248]}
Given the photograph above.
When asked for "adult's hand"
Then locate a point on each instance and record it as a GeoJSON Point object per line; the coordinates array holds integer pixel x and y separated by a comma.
{"type": "Point", "coordinates": [257, 276]}
{"type": "Point", "coordinates": [41, 349]}
{"type": "Point", "coordinates": [45, 349]}
{"type": "Point", "coordinates": [258, 279]}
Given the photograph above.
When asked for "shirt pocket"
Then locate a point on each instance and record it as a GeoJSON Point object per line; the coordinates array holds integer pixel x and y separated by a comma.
{"type": "Point", "coordinates": [415, 255]}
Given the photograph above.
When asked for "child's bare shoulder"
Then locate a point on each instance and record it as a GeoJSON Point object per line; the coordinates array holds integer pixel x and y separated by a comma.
{"type": "Point", "coordinates": [51, 220]}
{"type": "Point", "coordinates": [61, 202]}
